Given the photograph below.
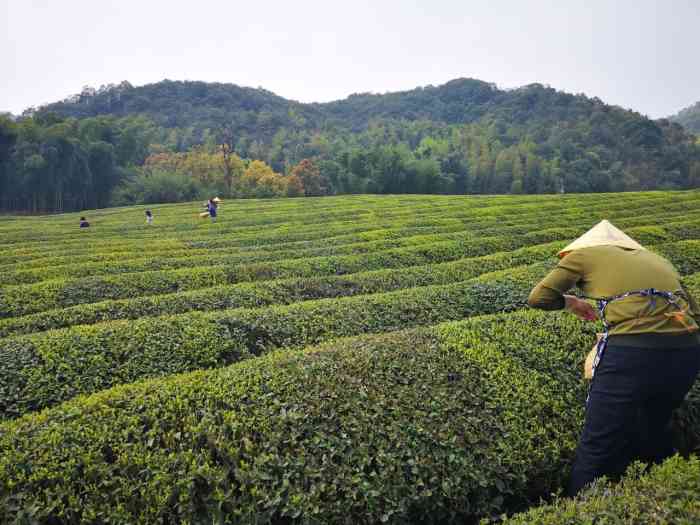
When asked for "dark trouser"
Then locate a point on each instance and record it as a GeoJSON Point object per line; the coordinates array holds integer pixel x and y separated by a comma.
{"type": "Point", "coordinates": [634, 392]}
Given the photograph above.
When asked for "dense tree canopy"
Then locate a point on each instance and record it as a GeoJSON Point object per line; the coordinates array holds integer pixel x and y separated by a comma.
{"type": "Point", "coordinates": [50, 163]}
{"type": "Point", "coordinates": [466, 136]}
{"type": "Point", "coordinates": [689, 118]}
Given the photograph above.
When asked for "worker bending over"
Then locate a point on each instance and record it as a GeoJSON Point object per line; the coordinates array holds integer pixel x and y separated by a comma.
{"type": "Point", "coordinates": [646, 361]}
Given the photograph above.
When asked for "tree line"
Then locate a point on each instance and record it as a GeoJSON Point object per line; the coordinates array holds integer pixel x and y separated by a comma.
{"type": "Point", "coordinates": [175, 141]}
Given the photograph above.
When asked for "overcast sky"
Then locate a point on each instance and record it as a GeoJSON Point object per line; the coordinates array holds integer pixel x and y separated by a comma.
{"type": "Point", "coordinates": [639, 54]}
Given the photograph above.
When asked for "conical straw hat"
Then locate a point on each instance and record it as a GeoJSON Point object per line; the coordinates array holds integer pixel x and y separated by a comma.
{"type": "Point", "coordinates": [602, 234]}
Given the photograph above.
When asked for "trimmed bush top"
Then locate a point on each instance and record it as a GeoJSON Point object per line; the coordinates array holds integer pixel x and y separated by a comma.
{"type": "Point", "coordinates": [667, 494]}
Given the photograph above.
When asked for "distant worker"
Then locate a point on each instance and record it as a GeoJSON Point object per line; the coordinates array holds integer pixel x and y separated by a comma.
{"type": "Point", "coordinates": [212, 206]}
{"type": "Point", "coordinates": [84, 223]}
{"type": "Point", "coordinates": [644, 363]}
{"type": "Point", "coordinates": [149, 217]}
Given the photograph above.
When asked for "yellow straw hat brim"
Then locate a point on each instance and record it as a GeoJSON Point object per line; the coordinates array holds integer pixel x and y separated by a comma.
{"type": "Point", "coordinates": [602, 234]}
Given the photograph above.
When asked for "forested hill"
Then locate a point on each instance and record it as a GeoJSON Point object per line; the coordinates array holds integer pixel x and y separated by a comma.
{"type": "Point", "coordinates": [689, 118]}
{"type": "Point", "coordinates": [174, 104]}
{"type": "Point", "coordinates": [466, 136]}
{"type": "Point", "coordinates": [259, 114]}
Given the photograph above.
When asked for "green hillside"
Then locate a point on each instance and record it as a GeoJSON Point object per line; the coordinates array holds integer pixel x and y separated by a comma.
{"type": "Point", "coordinates": [356, 359]}
{"type": "Point", "coordinates": [178, 141]}
{"type": "Point", "coordinates": [689, 118]}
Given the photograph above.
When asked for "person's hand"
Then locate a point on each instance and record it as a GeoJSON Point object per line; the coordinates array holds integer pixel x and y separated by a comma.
{"type": "Point", "coordinates": [580, 308]}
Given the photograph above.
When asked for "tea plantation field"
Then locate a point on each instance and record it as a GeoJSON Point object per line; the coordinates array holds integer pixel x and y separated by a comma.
{"type": "Point", "coordinates": [364, 359]}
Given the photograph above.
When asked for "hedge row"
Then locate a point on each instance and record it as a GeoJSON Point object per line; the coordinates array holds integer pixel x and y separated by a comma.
{"type": "Point", "coordinates": [241, 209]}
{"type": "Point", "coordinates": [173, 259]}
{"type": "Point", "coordinates": [247, 221]}
{"type": "Point", "coordinates": [666, 494]}
{"type": "Point", "coordinates": [184, 218]}
{"type": "Point", "coordinates": [287, 291]}
{"type": "Point", "coordinates": [508, 216]}
{"type": "Point", "coordinates": [292, 232]}
{"type": "Point", "coordinates": [21, 300]}
{"type": "Point", "coordinates": [283, 291]}
{"type": "Point", "coordinates": [67, 266]}
{"type": "Point", "coordinates": [68, 252]}
{"type": "Point", "coordinates": [685, 255]}
{"type": "Point", "coordinates": [384, 429]}
{"type": "Point", "coordinates": [138, 261]}
{"type": "Point", "coordinates": [554, 344]}
{"type": "Point", "coordinates": [216, 258]}
{"type": "Point", "coordinates": [229, 240]}
{"type": "Point", "coordinates": [26, 299]}
{"type": "Point", "coordinates": [422, 426]}
{"type": "Point", "coordinates": [43, 369]}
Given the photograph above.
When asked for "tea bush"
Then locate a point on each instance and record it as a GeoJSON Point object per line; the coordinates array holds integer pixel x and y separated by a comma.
{"type": "Point", "coordinates": [283, 291]}
{"type": "Point", "coordinates": [666, 494]}
{"type": "Point", "coordinates": [163, 374]}
{"type": "Point", "coordinates": [43, 369]}
{"type": "Point", "coordinates": [432, 425]}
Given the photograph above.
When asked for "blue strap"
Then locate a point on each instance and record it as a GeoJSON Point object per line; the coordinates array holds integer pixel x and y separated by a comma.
{"type": "Point", "coordinates": [603, 303]}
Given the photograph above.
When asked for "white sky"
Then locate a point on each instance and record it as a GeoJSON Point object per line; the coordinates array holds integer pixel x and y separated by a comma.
{"type": "Point", "coordinates": [639, 54]}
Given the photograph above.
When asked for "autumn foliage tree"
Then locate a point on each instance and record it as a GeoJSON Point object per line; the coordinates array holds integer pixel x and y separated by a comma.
{"type": "Point", "coordinates": [259, 180]}
{"type": "Point", "coordinates": [212, 169]}
{"type": "Point", "coordinates": [198, 163]}
{"type": "Point", "coordinates": [310, 176]}
{"type": "Point", "coordinates": [295, 187]}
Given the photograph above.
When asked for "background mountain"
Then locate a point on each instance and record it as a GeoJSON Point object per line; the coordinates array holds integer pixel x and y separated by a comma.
{"type": "Point", "coordinates": [466, 136]}
{"type": "Point", "coordinates": [689, 118]}
{"type": "Point", "coordinates": [259, 114]}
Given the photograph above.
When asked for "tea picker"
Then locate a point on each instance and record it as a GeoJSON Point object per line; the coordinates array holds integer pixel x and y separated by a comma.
{"type": "Point", "coordinates": [645, 361]}
{"type": "Point", "coordinates": [212, 206]}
